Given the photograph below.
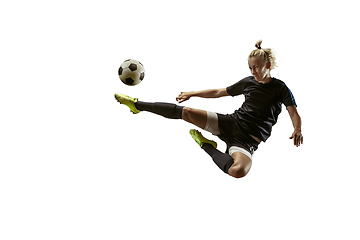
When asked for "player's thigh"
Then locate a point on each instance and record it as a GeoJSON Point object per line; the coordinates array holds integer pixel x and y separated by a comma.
{"type": "Point", "coordinates": [195, 116]}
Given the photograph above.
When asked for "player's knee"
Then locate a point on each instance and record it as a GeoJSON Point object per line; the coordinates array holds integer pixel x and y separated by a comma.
{"type": "Point", "coordinates": [186, 114]}
{"type": "Point", "coordinates": [238, 171]}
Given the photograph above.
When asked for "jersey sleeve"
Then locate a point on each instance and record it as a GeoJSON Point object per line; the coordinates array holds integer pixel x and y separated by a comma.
{"type": "Point", "coordinates": [237, 88]}
{"type": "Point", "coordinates": [287, 98]}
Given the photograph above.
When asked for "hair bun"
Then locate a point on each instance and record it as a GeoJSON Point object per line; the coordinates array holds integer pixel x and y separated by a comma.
{"type": "Point", "coordinates": [258, 44]}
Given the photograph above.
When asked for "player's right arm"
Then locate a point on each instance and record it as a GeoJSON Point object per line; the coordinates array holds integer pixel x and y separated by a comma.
{"type": "Point", "coordinates": [210, 93]}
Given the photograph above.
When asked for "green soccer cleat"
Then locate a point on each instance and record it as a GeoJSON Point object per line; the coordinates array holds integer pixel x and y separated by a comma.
{"type": "Point", "coordinates": [128, 101]}
{"type": "Point", "coordinates": [200, 139]}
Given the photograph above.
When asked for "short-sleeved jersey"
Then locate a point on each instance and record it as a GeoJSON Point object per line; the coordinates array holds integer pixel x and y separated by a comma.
{"type": "Point", "coordinates": [262, 104]}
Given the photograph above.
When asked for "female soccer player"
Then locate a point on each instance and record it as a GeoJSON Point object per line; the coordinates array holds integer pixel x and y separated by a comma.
{"type": "Point", "coordinates": [243, 130]}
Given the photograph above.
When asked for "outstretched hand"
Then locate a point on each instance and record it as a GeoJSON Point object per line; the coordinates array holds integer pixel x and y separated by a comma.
{"type": "Point", "coordinates": [298, 137]}
{"type": "Point", "coordinates": [183, 96]}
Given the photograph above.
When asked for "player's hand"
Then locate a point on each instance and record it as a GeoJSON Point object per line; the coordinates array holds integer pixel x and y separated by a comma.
{"type": "Point", "coordinates": [298, 137]}
{"type": "Point", "coordinates": [183, 96]}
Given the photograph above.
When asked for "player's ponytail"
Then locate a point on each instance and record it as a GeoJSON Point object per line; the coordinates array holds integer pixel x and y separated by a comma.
{"type": "Point", "coordinates": [267, 54]}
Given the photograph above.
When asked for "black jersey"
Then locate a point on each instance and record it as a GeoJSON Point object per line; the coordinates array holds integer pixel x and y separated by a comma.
{"type": "Point", "coordinates": [262, 105]}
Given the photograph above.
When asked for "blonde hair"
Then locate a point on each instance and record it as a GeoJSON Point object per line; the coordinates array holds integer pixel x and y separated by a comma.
{"type": "Point", "coordinates": [267, 54]}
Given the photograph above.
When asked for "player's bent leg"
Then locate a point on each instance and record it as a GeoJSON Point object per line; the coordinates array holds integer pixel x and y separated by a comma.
{"type": "Point", "coordinates": [222, 160]}
{"type": "Point", "coordinates": [200, 139]}
{"type": "Point", "coordinates": [241, 165]}
{"type": "Point", "coordinates": [195, 116]}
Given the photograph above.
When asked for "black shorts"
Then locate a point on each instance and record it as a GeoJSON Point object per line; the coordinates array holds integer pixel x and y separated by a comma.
{"type": "Point", "coordinates": [233, 134]}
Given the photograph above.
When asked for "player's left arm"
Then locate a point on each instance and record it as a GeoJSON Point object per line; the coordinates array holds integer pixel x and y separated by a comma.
{"type": "Point", "coordinates": [296, 121]}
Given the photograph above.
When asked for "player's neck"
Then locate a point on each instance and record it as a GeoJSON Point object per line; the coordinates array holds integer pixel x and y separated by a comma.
{"type": "Point", "coordinates": [267, 79]}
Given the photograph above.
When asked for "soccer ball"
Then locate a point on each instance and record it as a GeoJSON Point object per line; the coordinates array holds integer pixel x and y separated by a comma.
{"type": "Point", "coordinates": [131, 72]}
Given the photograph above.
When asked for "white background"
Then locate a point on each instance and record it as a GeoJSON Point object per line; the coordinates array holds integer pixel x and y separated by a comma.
{"type": "Point", "coordinates": [74, 164]}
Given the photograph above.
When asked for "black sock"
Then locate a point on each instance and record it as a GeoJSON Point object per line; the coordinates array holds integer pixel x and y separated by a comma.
{"type": "Point", "coordinates": [167, 110]}
{"type": "Point", "coordinates": [222, 160]}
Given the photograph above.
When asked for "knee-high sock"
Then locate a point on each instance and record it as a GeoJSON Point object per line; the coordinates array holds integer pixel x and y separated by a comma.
{"type": "Point", "coordinates": [167, 110]}
{"type": "Point", "coordinates": [222, 160]}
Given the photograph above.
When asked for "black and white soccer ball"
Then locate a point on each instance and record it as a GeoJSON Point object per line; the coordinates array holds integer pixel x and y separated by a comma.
{"type": "Point", "coordinates": [131, 72]}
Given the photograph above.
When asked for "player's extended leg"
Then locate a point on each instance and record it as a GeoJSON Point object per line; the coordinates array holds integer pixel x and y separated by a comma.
{"type": "Point", "coordinates": [168, 110]}
{"type": "Point", "coordinates": [195, 116]}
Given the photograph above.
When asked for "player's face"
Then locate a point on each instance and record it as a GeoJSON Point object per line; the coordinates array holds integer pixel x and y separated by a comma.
{"type": "Point", "coordinates": [259, 69]}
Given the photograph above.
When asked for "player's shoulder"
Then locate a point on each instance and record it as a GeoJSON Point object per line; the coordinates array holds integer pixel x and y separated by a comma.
{"type": "Point", "coordinates": [281, 87]}
{"type": "Point", "coordinates": [279, 83]}
{"type": "Point", "coordinates": [243, 81]}
{"type": "Point", "coordinates": [248, 79]}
